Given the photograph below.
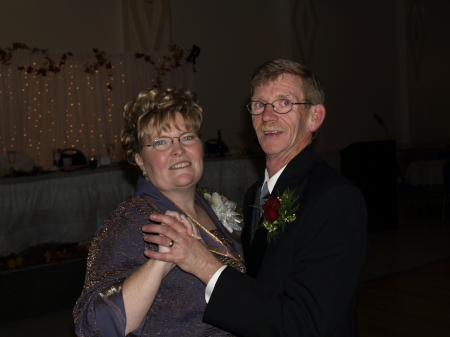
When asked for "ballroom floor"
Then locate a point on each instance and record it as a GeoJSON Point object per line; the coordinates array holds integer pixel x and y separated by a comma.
{"type": "Point", "coordinates": [421, 243]}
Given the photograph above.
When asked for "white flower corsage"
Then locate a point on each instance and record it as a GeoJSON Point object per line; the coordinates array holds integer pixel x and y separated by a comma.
{"type": "Point", "coordinates": [225, 210]}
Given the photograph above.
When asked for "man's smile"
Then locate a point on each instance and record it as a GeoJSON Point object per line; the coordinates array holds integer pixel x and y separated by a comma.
{"type": "Point", "coordinates": [272, 132]}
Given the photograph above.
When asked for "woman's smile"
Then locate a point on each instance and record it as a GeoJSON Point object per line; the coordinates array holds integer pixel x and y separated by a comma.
{"type": "Point", "coordinates": [180, 165]}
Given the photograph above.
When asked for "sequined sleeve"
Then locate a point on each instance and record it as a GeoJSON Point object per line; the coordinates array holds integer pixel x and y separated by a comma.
{"type": "Point", "coordinates": [116, 252]}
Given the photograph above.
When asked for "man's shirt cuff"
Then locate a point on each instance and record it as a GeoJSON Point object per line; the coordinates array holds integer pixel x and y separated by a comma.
{"type": "Point", "coordinates": [212, 283]}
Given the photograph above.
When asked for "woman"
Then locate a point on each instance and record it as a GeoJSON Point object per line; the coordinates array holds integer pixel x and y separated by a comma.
{"type": "Point", "coordinates": [125, 292]}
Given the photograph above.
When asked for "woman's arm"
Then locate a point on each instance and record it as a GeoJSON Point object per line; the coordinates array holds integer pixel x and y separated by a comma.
{"type": "Point", "coordinates": [141, 287]}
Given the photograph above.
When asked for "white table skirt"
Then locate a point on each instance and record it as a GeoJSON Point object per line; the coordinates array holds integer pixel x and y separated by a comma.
{"type": "Point", "coordinates": [425, 173]}
{"type": "Point", "coordinates": [69, 207]}
{"type": "Point", "coordinates": [58, 207]}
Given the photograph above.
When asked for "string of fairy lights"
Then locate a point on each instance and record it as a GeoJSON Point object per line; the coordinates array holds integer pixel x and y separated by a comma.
{"type": "Point", "coordinates": [70, 109]}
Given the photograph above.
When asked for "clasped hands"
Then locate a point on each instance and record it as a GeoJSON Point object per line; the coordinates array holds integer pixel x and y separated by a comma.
{"type": "Point", "coordinates": [188, 251]}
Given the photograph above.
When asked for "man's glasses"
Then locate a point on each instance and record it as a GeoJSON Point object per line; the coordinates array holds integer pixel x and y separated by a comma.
{"type": "Point", "coordinates": [164, 143]}
{"type": "Point", "coordinates": [281, 106]}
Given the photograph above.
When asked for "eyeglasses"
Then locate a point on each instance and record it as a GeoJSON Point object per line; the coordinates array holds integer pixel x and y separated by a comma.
{"type": "Point", "coordinates": [164, 143]}
{"type": "Point", "coordinates": [281, 106]}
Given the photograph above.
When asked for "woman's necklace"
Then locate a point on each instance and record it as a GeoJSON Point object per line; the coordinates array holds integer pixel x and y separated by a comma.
{"type": "Point", "coordinates": [187, 214]}
{"type": "Point", "coordinates": [211, 248]}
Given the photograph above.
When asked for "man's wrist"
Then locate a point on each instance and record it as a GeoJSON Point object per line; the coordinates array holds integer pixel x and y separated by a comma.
{"type": "Point", "coordinates": [207, 268]}
{"type": "Point", "coordinates": [212, 283]}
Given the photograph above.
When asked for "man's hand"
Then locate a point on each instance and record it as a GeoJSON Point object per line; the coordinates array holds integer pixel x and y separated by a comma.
{"type": "Point", "coordinates": [190, 254]}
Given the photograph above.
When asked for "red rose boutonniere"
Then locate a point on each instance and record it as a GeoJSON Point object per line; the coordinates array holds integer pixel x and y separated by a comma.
{"type": "Point", "coordinates": [271, 209]}
{"type": "Point", "coordinates": [278, 212]}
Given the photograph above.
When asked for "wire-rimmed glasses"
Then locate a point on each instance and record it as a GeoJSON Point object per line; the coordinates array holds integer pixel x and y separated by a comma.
{"type": "Point", "coordinates": [281, 106]}
{"type": "Point", "coordinates": [164, 143]}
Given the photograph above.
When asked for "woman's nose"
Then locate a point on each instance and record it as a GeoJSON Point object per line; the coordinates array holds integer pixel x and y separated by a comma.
{"type": "Point", "coordinates": [177, 147]}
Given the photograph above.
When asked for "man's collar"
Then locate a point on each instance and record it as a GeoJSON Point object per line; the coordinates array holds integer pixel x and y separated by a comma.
{"type": "Point", "coordinates": [273, 180]}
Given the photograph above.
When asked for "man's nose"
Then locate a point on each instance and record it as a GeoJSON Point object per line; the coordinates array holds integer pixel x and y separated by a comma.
{"type": "Point", "coordinates": [269, 113]}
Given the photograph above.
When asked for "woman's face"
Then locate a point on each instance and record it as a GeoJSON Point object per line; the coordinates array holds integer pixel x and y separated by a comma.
{"type": "Point", "coordinates": [179, 166]}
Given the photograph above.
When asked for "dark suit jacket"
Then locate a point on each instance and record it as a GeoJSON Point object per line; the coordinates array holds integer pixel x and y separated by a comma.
{"type": "Point", "coordinates": [308, 283]}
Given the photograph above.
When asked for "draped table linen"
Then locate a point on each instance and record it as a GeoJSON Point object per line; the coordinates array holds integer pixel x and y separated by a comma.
{"type": "Point", "coordinates": [70, 206]}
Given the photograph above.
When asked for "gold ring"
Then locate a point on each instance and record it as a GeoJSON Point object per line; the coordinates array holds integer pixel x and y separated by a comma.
{"type": "Point", "coordinates": [171, 244]}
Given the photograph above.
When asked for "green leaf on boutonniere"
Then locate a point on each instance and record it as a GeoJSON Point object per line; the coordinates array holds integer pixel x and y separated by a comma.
{"type": "Point", "coordinates": [278, 212]}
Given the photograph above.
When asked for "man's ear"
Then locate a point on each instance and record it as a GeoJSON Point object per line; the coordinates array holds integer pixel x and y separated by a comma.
{"type": "Point", "coordinates": [316, 118]}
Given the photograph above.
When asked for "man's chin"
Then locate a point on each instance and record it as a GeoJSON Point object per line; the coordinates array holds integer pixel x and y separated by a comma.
{"type": "Point", "coordinates": [272, 145]}
{"type": "Point", "coordinates": [272, 150]}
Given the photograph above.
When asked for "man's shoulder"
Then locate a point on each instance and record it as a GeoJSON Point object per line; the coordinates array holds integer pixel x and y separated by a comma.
{"type": "Point", "coordinates": [314, 176]}
{"type": "Point", "coordinates": [322, 178]}
{"type": "Point", "coordinates": [323, 171]}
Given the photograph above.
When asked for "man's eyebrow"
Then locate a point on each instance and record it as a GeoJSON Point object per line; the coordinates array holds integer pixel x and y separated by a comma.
{"type": "Point", "coordinates": [279, 96]}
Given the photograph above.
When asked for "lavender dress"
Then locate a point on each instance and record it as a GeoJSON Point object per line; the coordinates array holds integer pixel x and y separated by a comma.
{"type": "Point", "coordinates": [117, 251]}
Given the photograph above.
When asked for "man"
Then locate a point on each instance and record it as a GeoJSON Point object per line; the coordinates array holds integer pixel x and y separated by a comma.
{"type": "Point", "coordinates": [306, 282]}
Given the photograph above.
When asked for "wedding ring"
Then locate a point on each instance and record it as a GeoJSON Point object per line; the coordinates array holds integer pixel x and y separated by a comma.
{"type": "Point", "coordinates": [171, 244]}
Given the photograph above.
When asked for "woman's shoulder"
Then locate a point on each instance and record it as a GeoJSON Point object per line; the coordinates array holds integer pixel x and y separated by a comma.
{"type": "Point", "coordinates": [133, 204]}
{"type": "Point", "coordinates": [133, 210]}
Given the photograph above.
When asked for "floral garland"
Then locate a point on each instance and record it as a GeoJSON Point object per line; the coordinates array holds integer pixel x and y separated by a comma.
{"type": "Point", "coordinates": [172, 61]}
{"type": "Point", "coordinates": [224, 208]}
{"type": "Point", "coordinates": [278, 212]}
{"type": "Point", "coordinates": [49, 65]}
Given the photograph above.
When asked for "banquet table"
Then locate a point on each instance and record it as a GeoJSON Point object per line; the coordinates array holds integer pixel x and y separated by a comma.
{"type": "Point", "coordinates": [70, 206]}
{"type": "Point", "coordinates": [425, 173]}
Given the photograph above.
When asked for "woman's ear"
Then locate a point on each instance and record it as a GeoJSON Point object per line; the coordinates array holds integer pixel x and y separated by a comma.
{"type": "Point", "coordinates": [316, 118]}
{"type": "Point", "coordinates": [140, 163]}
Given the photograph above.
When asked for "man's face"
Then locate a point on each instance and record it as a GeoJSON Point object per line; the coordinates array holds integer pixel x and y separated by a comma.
{"type": "Point", "coordinates": [282, 136]}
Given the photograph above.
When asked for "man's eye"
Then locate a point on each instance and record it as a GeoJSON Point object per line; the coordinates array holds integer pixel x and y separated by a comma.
{"type": "Point", "coordinates": [285, 102]}
{"type": "Point", "coordinates": [259, 105]}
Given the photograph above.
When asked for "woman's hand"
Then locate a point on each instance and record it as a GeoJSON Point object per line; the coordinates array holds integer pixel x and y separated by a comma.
{"type": "Point", "coordinates": [191, 228]}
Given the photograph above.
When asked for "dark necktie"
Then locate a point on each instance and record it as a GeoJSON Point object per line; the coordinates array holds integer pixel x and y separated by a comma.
{"type": "Point", "coordinates": [264, 194]}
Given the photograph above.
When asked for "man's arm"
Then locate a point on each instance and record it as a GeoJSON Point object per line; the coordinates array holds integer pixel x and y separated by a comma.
{"type": "Point", "coordinates": [309, 281]}
{"type": "Point", "coordinates": [212, 283]}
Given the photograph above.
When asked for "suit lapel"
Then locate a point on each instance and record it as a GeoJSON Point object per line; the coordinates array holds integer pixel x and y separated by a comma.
{"type": "Point", "coordinates": [257, 251]}
{"type": "Point", "coordinates": [293, 174]}
{"type": "Point", "coordinates": [251, 214]}
{"type": "Point", "coordinates": [254, 243]}
{"type": "Point", "coordinates": [296, 170]}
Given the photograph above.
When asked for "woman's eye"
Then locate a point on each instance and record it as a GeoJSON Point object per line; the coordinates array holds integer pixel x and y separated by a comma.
{"type": "Point", "coordinates": [189, 138]}
{"type": "Point", "coordinates": [159, 142]}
